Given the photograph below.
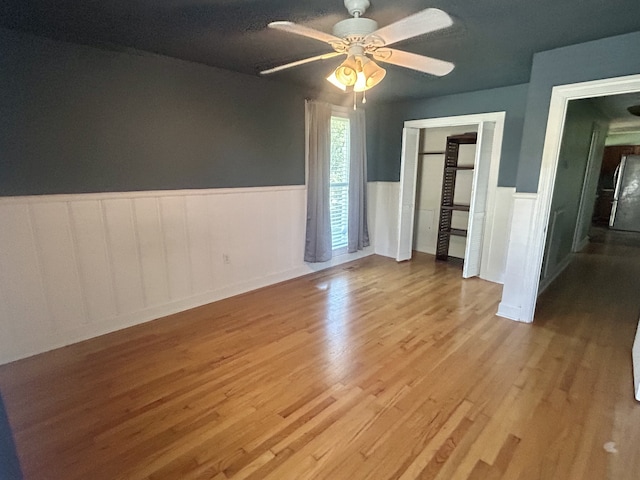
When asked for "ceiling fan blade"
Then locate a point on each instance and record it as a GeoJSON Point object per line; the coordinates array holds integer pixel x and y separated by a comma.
{"type": "Point", "coordinates": [426, 21]}
{"type": "Point", "coordinates": [305, 32]}
{"type": "Point", "coordinates": [420, 63]}
{"type": "Point", "coordinates": [301, 62]}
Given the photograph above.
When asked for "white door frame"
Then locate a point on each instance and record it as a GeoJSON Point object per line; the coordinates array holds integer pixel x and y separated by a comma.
{"type": "Point", "coordinates": [523, 273]}
{"type": "Point", "coordinates": [498, 119]}
{"type": "Point", "coordinates": [407, 193]}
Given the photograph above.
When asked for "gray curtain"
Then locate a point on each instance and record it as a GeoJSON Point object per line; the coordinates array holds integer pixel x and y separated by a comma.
{"type": "Point", "coordinates": [358, 230]}
{"type": "Point", "coordinates": [318, 240]}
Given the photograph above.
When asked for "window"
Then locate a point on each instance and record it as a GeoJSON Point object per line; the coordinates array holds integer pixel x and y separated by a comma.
{"type": "Point", "coordinates": [339, 183]}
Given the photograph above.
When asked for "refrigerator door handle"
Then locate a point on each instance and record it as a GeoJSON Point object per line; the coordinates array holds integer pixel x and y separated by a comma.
{"type": "Point", "coordinates": [617, 177]}
{"type": "Point", "coordinates": [612, 217]}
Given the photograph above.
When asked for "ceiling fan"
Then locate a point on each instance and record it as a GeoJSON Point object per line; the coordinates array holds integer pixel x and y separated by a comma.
{"type": "Point", "coordinates": [360, 38]}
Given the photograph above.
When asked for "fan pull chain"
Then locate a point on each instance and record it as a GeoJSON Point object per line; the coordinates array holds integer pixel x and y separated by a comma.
{"type": "Point", "coordinates": [355, 99]}
{"type": "Point", "coordinates": [364, 96]}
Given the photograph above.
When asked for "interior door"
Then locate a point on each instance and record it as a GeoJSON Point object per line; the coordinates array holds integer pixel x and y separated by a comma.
{"type": "Point", "coordinates": [625, 214]}
{"type": "Point", "coordinates": [408, 174]}
{"type": "Point", "coordinates": [478, 206]}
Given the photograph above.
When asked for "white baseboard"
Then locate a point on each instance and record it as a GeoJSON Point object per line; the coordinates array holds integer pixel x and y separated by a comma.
{"type": "Point", "coordinates": [511, 312]}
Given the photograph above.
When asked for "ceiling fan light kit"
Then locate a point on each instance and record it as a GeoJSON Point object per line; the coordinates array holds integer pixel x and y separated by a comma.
{"type": "Point", "coordinates": [347, 73]}
{"type": "Point", "coordinates": [360, 38]}
{"type": "Point", "coordinates": [371, 72]}
{"type": "Point", "coordinates": [358, 71]}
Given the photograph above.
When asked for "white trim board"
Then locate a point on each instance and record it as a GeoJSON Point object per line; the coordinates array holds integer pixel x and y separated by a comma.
{"type": "Point", "coordinates": [520, 226]}
{"type": "Point", "coordinates": [524, 264]}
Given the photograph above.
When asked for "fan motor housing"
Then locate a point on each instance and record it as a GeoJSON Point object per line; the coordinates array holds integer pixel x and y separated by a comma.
{"type": "Point", "coordinates": [355, 27]}
{"type": "Point", "coordinates": [356, 7]}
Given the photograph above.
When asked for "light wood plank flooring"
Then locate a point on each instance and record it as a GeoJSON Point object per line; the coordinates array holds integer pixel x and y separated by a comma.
{"type": "Point", "coordinates": [371, 370]}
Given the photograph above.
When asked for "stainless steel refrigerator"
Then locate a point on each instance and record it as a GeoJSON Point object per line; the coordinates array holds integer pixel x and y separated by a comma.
{"type": "Point", "coordinates": [625, 211]}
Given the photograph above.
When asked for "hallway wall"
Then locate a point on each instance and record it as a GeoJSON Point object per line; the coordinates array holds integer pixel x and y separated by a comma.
{"type": "Point", "coordinates": [574, 153]}
{"type": "Point", "coordinates": [605, 58]}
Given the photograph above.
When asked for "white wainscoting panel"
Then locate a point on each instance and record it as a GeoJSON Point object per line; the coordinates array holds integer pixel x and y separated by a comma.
{"type": "Point", "coordinates": [173, 218]}
{"type": "Point", "coordinates": [23, 293]}
{"type": "Point", "coordinates": [153, 260]}
{"type": "Point", "coordinates": [496, 238]}
{"type": "Point", "coordinates": [124, 255]}
{"type": "Point", "coordinates": [516, 291]}
{"type": "Point", "coordinates": [93, 258]}
{"type": "Point", "coordinates": [372, 200]}
{"type": "Point", "coordinates": [386, 218]}
{"type": "Point", "coordinates": [76, 266]}
{"type": "Point", "coordinates": [57, 259]}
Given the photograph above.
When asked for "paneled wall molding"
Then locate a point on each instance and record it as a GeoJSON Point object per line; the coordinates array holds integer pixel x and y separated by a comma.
{"type": "Point", "coordinates": [385, 228]}
{"type": "Point", "coordinates": [76, 266]}
{"type": "Point", "coordinates": [497, 224]}
{"type": "Point", "coordinates": [516, 290]}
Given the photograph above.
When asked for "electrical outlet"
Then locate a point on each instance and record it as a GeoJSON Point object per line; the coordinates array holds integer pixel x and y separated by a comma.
{"type": "Point", "coordinates": [225, 258]}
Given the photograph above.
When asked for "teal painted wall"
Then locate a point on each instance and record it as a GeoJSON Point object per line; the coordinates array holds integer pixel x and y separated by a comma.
{"type": "Point", "coordinates": [527, 108]}
{"type": "Point", "coordinates": [386, 122]}
{"type": "Point", "coordinates": [76, 119]}
{"type": "Point", "coordinates": [572, 164]}
{"type": "Point", "coordinates": [610, 57]}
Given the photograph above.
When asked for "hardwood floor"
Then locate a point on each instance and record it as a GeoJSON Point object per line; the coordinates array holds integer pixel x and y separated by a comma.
{"type": "Point", "coordinates": [370, 370]}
